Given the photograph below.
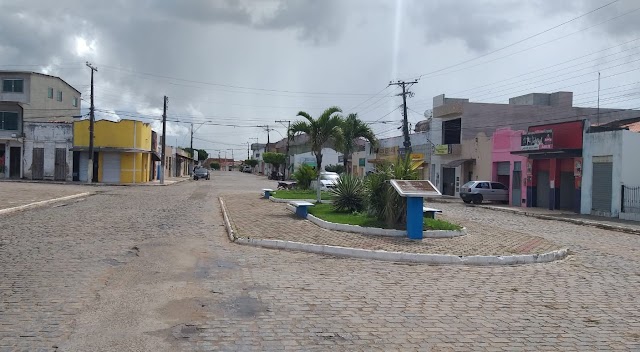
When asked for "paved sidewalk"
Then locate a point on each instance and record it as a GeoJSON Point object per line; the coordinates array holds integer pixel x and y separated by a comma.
{"type": "Point", "coordinates": [257, 218]}
{"type": "Point", "coordinates": [20, 193]}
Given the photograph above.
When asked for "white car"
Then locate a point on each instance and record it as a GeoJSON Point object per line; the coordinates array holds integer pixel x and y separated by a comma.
{"type": "Point", "coordinates": [327, 181]}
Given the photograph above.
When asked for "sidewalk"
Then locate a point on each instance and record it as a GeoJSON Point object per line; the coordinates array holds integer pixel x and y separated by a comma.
{"type": "Point", "coordinates": [17, 194]}
{"type": "Point", "coordinates": [255, 218]}
{"type": "Point", "coordinates": [614, 224]}
{"type": "Point", "coordinates": [167, 181]}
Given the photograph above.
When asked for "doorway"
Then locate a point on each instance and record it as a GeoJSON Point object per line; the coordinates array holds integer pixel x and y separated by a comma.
{"type": "Point", "coordinates": [448, 181]}
{"type": "Point", "coordinates": [516, 184]}
{"type": "Point", "coordinates": [60, 165]}
{"type": "Point", "coordinates": [566, 190]}
{"type": "Point", "coordinates": [543, 190]}
{"type": "Point", "coordinates": [37, 164]}
{"type": "Point", "coordinates": [14, 163]}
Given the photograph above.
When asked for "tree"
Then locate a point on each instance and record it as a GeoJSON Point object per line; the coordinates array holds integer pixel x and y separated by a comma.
{"type": "Point", "coordinates": [320, 131]}
{"type": "Point", "coordinates": [251, 162]}
{"type": "Point", "coordinates": [352, 129]}
{"type": "Point", "coordinates": [275, 159]}
{"type": "Point", "coordinates": [202, 154]}
{"type": "Point", "coordinates": [215, 166]}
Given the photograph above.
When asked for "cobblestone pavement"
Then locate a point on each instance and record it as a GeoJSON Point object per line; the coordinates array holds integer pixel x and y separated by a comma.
{"type": "Point", "coordinates": [151, 269]}
{"type": "Point", "coordinates": [277, 222]}
{"type": "Point", "coordinates": [20, 193]}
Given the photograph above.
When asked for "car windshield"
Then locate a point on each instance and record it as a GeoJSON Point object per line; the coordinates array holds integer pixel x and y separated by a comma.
{"type": "Point", "coordinates": [329, 177]}
{"type": "Point", "coordinates": [467, 185]}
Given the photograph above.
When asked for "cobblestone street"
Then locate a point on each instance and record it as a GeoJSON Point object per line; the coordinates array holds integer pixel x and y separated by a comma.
{"type": "Point", "coordinates": [152, 269]}
{"type": "Point", "coordinates": [20, 193]}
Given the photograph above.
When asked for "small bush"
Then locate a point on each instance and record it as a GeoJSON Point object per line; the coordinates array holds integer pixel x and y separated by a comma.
{"type": "Point", "coordinates": [339, 169]}
{"type": "Point", "coordinates": [348, 194]}
{"type": "Point", "coordinates": [215, 166]}
{"type": "Point", "coordinates": [304, 175]}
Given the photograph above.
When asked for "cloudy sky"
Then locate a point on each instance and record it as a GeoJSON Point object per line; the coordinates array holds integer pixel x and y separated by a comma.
{"type": "Point", "coordinates": [231, 65]}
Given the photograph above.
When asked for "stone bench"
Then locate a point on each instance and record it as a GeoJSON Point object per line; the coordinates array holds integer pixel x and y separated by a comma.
{"type": "Point", "coordinates": [302, 207]}
{"type": "Point", "coordinates": [430, 212]}
{"type": "Point", "coordinates": [266, 193]}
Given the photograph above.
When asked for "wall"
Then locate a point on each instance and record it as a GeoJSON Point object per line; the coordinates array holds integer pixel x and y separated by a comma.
{"type": "Point", "coordinates": [48, 135]}
{"type": "Point", "coordinates": [506, 140]}
{"type": "Point", "coordinates": [329, 157]}
{"type": "Point", "coordinates": [11, 107]}
{"type": "Point", "coordinates": [122, 134]}
{"type": "Point", "coordinates": [630, 166]}
{"type": "Point", "coordinates": [601, 144]}
{"type": "Point", "coordinates": [41, 106]}
{"type": "Point", "coordinates": [16, 97]}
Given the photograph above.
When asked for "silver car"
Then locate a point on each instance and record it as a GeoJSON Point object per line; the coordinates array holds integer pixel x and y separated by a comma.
{"type": "Point", "coordinates": [327, 181]}
{"type": "Point", "coordinates": [478, 191]}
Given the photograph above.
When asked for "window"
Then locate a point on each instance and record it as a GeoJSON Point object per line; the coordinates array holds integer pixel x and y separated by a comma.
{"type": "Point", "coordinates": [75, 102]}
{"type": "Point", "coordinates": [483, 185]}
{"type": "Point", "coordinates": [59, 95]}
{"type": "Point", "coordinates": [451, 131]}
{"type": "Point", "coordinates": [496, 185]}
{"type": "Point", "coordinates": [13, 85]}
{"type": "Point", "coordinates": [50, 93]}
{"type": "Point", "coordinates": [8, 121]}
{"type": "Point", "coordinates": [257, 155]}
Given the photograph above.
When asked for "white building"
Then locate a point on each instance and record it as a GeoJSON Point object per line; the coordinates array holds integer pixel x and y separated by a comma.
{"type": "Point", "coordinates": [47, 151]}
{"type": "Point", "coordinates": [610, 164]}
{"type": "Point", "coordinates": [329, 157]}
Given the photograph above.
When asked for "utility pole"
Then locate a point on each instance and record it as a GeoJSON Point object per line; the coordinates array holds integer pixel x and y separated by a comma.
{"type": "Point", "coordinates": [405, 125]}
{"type": "Point", "coordinates": [248, 150]}
{"type": "Point", "coordinates": [92, 119]}
{"type": "Point", "coordinates": [164, 138]}
{"type": "Point", "coordinates": [598, 117]}
{"type": "Point", "coordinates": [286, 164]}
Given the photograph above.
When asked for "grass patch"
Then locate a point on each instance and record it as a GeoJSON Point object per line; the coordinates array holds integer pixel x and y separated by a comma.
{"type": "Point", "coordinates": [325, 212]}
{"type": "Point", "coordinates": [301, 194]}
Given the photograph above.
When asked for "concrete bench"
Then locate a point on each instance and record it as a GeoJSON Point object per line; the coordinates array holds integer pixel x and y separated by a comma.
{"type": "Point", "coordinates": [302, 207]}
{"type": "Point", "coordinates": [266, 193]}
{"type": "Point", "coordinates": [430, 212]}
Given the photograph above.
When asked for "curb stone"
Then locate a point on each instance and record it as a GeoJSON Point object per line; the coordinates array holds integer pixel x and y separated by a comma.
{"type": "Point", "coordinates": [43, 203]}
{"type": "Point", "coordinates": [557, 218]}
{"type": "Point", "coordinates": [435, 259]}
{"type": "Point", "coordinates": [282, 200]}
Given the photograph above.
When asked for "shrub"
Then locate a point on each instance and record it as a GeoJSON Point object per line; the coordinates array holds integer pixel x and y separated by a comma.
{"type": "Point", "coordinates": [215, 166]}
{"type": "Point", "coordinates": [348, 194]}
{"type": "Point", "coordinates": [339, 169]}
{"type": "Point", "coordinates": [304, 175]}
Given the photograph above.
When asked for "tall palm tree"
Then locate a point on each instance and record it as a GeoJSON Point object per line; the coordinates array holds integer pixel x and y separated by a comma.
{"type": "Point", "coordinates": [352, 129]}
{"type": "Point", "coordinates": [320, 131]}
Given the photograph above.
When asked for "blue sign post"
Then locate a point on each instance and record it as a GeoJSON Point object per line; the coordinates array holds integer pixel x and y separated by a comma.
{"type": "Point", "coordinates": [415, 191]}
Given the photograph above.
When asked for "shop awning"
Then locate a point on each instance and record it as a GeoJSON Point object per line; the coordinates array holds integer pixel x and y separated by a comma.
{"type": "Point", "coordinates": [458, 162]}
{"type": "Point", "coordinates": [155, 156]}
{"type": "Point", "coordinates": [550, 153]}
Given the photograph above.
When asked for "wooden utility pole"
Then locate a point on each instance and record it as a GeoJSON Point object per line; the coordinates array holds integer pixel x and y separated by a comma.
{"type": "Point", "coordinates": [405, 124]}
{"type": "Point", "coordinates": [286, 163]}
{"type": "Point", "coordinates": [92, 119]}
{"type": "Point", "coordinates": [164, 138]}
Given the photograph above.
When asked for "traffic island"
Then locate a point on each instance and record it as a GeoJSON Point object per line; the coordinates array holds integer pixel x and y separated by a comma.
{"type": "Point", "coordinates": [262, 223]}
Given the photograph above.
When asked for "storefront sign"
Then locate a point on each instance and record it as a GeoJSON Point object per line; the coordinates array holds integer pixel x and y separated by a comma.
{"type": "Point", "coordinates": [417, 156]}
{"type": "Point", "coordinates": [537, 140]}
{"type": "Point", "coordinates": [441, 149]}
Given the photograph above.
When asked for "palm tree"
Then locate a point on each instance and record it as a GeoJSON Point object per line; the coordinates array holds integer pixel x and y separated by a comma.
{"type": "Point", "coordinates": [352, 129]}
{"type": "Point", "coordinates": [320, 131]}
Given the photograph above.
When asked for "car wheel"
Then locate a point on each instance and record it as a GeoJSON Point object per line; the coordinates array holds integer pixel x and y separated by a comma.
{"type": "Point", "coordinates": [467, 201]}
{"type": "Point", "coordinates": [506, 202]}
{"type": "Point", "coordinates": [477, 199]}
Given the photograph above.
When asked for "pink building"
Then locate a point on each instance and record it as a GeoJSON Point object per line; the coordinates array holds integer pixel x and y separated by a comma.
{"type": "Point", "coordinates": [507, 168]}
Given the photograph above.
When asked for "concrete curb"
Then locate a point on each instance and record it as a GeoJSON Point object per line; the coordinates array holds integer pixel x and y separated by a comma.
{"type": "Point", "coordinates": [435, 259]}
{"type": "Point", "coordinates": [281, 200]}
{"type": "Point", "coordinates": [373, 231]}
{"type": "Point", "coordinates": [227, 222]}
{"type": "Point", "coordinates": [43, 203]}
{"type": "Point", "coordinates": [557, 218]}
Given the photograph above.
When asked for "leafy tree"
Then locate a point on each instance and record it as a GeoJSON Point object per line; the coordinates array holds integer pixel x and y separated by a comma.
{"type": "Point", "coordinates": [215, 166]}
{"type": "Point", "coordinates": [352, 129]}
{"type": "Point", "coordinates": [202, 154]}
{"type": "Point", "coordinates": [275, 159]}
{"type": "Point", "coordinates": [320, 131]}
{"type": "Point", "coordinates": [251, 162]}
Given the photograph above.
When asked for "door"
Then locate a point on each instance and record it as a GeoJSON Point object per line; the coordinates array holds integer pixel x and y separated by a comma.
{"type": "Point", "coordinates": [37, 164]}
{"type": "Point", "coordinates": [448, 181]}
{"type": "Point", "coordinates": [516, 184]}
{"type": "Point", "coordinates": [567, 188]}
{"type": "Point", "coordinates": [111, 168]}
{"type": "Point", "coordinates": [76, 166]}
{"type": "Point", "coordinates": [60, 171]}
{"type": "Point", "coordinates": [83, 167]}
{"type": "Point", "coordinates": [601, 189]}
{"type": "Point", "coordinates": [543, 190]}
{"type": "Point", "coordinates": [14, 164]}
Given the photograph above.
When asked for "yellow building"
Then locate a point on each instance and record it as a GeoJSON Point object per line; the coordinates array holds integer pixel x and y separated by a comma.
{"type": "Point", "coordinates": [122, 151]}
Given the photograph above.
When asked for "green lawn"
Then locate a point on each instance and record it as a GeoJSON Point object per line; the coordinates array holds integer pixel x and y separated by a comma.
{"type": "Point", "coordinates": [325, 212]}
{"type": "Point", "coordinates": [301, 194]}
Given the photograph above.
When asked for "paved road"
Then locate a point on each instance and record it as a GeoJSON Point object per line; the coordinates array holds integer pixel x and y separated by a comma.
{"type": "Point", "coordinates": [150, 269]}
{"type": "Point", "coordinates": [19, 193]}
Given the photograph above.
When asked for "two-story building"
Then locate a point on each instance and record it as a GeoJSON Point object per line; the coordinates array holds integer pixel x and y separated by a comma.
{"type": "Point", "coordinates": [35, 110]}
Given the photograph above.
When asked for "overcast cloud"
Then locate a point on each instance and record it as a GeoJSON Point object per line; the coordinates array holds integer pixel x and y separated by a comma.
{"type": "Point", "coordinates": [292, 49]}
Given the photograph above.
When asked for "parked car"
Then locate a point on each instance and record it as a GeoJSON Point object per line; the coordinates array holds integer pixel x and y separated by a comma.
{"type": "Point", "coordinates": [246, 169]}
{"type": "Point", "coordinates": [478, 191]}
{"type": "Point", "coordinates": [327, 181]}
{"type": "Point", "coordinates": [201, 172]}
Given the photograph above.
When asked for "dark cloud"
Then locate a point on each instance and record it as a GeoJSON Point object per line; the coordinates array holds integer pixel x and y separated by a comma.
{"type": "Point", "coordinates": [478, 24]}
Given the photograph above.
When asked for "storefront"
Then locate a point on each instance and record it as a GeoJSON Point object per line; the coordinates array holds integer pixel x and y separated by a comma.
{"type": "Point", "coordinates": [553, 166]}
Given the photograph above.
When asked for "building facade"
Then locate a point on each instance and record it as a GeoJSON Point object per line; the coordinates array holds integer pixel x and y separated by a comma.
{"type": "Point", "coordinates": [48, 151]}
{"type": "Point", "coordinates": [122, 151]}
{"type": "Point", "coordinates": [30, 97]}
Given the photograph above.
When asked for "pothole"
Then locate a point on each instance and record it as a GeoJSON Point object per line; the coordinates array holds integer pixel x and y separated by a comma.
{"type": "Point", "coordinates": [185, 331]}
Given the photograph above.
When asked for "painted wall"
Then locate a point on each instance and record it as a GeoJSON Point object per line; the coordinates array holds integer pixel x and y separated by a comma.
{"type": "Point", "coordinates": [329, 157]}
{"type": "Point", "coordinates": [601, 145]}
{"type": "Point", "coordinates": [41, 106]}
{"type": "Point", "coordinates": [23, 97]}
{"type": "Point", "coordinates": [48, 135]}
{"type": "Point", "coordinates": [506, 140]}
{"type": "Point", "coordinates": [122, 134]}
{"type": "Point", "coordinates": [630, 158]}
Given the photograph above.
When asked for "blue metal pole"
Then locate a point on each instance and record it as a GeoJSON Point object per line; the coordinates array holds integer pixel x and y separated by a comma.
{"type": "Point", "coordinates": [414, 218]}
